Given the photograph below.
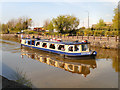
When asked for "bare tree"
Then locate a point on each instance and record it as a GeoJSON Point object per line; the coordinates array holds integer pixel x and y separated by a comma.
{"type": "Point", "coordinates": [46, 23]}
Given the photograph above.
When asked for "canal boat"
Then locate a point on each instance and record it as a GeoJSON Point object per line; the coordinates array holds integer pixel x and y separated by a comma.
{"type": "Point", "coordinates": [66, 49]}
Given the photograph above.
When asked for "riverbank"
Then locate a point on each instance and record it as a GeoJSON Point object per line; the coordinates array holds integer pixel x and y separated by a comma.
{"type": "Point", "coordinates": [6, 84]}
{"type": "Point", "coordinates": [96, 41]}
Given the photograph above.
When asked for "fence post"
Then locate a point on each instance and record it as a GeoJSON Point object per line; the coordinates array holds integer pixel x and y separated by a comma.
{"type": "Point", "coordinates": [72, 36]}
{"type": "Point", "coordinates": [100, 37]}
{"type": "Point", "coordinates": [88, 37]}
{"type": "Point", "coordinates": [94, 37]}
{"type": "Point", "coordinates": [107, 37]}
{"type": "Point", "coordinates": [116, 38]}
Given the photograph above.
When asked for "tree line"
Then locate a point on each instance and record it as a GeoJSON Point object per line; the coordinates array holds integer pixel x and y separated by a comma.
{"type": "Point", "coordinates": [16, 25]}
{"type": "Point", "coordinates": [65, 24]}
{"type": "Point", "coordinates": [62, 24]}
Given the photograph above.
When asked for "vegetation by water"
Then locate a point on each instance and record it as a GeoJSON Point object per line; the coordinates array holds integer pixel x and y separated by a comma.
{"type": "Point", "coordinates": [22, 78]}
{"type": "Point", "coordinates": [16, 25]}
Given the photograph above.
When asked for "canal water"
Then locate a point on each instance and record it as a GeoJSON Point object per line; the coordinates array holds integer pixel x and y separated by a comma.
{"type": "Point", "coordinates": [40, 69]}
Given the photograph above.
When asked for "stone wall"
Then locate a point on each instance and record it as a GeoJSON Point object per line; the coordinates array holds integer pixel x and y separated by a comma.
{"type": "Point", "coordinates": [103, 42]}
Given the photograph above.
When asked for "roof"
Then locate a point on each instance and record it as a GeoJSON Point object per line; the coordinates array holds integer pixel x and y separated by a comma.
{"type": "Point", "coordinates": [65, 43]}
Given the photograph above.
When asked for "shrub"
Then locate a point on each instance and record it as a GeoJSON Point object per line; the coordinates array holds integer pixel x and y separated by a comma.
{"type": "Point", "coordinates": [32, 32]}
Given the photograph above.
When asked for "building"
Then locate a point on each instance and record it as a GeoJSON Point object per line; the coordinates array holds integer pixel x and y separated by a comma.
{"type": "Point", "coordinates": [106, 24]}
{"type": "Point", "coordinates": [38, 29]}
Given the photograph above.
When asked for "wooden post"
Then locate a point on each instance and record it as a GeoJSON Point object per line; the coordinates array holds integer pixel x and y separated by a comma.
{"type": "Point", "coordinates": [100, 37]}
{"type": "Point", "coordinates": [82, 37]}
{"type": "Point", "coordinates": [88, 37]}
{"type": "Point", "coordinates": [72, 36]}
{"type": "Point", "coordinates": [77, 36]}
{"type": "Point", "coordinates": [108, 38]}
{"type": "Point", "coordinates": [119, 38]}
{"type": "Point", "coordinates": [116, 38]}
{"type": "Point", "coordinates": [94, 37]}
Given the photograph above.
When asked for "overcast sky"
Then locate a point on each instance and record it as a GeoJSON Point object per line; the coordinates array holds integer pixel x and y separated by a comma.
{"type": "Point", "coordinates": [40, 11]}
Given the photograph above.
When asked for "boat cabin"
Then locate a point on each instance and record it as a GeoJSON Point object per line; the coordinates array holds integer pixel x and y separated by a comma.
{"type": "Point", "coordinates": [71, 47]}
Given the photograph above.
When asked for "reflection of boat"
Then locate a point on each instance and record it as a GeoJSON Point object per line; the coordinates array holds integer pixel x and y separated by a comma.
{"type": "Point", "coordinates": [74, 66]}
{"type": "Point", "coordinates": [66, 49]}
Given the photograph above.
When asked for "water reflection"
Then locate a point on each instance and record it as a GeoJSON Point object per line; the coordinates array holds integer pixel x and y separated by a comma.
{"type": "Point", "coordinates": [109, 54]}
{"type": "Point", "coordinates": [77, 66]}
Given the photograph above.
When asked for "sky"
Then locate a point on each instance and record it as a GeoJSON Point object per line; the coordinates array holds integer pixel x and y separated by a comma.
{"type": "Point", "coordinates": [40, 11]}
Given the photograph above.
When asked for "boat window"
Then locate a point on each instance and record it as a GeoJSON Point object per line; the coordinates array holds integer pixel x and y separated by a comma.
{"type": "Point", "coordinates": [52, 46]}
{"type": "Point", "coordinates": [76, 47]}
{"type": "Point", "coordinates": [38, 44]}
{"type": "Point", "coordinates": [33, 42]}
{"type": "Point", "coordinates": [61, 47]}
{"type": "Point", "coordinates": [44, 45]}
{"type": "Point", "coordinates": [28, 42]}
{"type": "Point", "coordinates": [25, 42]}
{"type": "Point", "coordinates": [33, 56]}
{"type": "Point", "coordinates": [44, 59]}
{"type": "Point", "coordinates": [84, 47]}
{"type": "Point", "coordinates": [70, 48]}
{"type": "Point", "coordinates": [70, 67]}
